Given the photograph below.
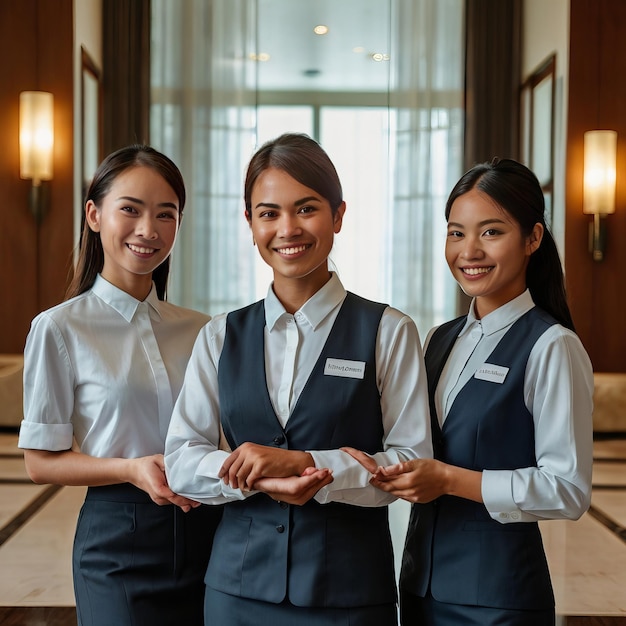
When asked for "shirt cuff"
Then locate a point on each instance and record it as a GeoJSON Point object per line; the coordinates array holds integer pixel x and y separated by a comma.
{"type": "Point", "coordinates": [210, 466]}
{"type": "Point", "coordinates": [347, 473]}
{"type": "Point", "coordinates": [497, 496]}
{"type": "Point", "coordinates": [349, 476]}
{"type": "Point", "coordinates": [51, 437]}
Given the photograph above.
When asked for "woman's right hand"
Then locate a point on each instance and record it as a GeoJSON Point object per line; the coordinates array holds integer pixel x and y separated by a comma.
{"type": "Point", "coordinates": [421, 480]}
{"type": "Point", "coordinates": [69, 467]}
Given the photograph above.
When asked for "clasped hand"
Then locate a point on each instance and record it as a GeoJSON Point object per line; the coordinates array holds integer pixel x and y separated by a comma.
{"type": "Point", "coordinates": [417, 480]}
{"type": "Point", "coordinates": [149, 475]}
{"type": "Point", "coordinates": [285, 475]}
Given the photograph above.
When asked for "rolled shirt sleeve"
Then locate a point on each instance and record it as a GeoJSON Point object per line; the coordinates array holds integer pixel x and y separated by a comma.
{"type": "Point", "coordinates": [102, 371]}
{"type": "Point", "coordinates": [48, 389]}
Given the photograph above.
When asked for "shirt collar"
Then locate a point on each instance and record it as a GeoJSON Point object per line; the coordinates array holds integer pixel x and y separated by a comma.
{"type": "Point", "coordinates": [314, 310]}
{"type": "Point", "coordinates": [502, 317]}
{"type": "Point", "coordinates": [123, 302]}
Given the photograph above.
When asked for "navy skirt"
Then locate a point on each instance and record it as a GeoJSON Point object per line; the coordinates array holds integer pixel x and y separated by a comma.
{"type": "Point", "coordinates": [222, 609]}
{"type": "Point", "coordinates": [136, 563]}
{"type": "Point", "coordinates": [417, 611]}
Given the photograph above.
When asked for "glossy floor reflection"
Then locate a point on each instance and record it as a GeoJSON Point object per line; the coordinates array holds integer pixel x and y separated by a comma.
{"type": "Point", "coordinates": [587, 558]}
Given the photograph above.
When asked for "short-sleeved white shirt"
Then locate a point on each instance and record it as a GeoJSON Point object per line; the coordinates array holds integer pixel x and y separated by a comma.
{"type": "Point", "coordinates": [105, 369]}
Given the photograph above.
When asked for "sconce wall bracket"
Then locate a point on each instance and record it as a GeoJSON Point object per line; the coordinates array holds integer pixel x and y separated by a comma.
{"type": "Point", "coordinates": [597, 236]}
{"type": "Point", "coordinates": [39, 200]}
{"type": "Point", "coordinates": [599, 177]}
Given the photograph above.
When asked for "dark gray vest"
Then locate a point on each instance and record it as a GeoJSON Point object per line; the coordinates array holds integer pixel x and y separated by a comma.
{"type": "Point", "coordinates": [331, 555]}
{"type": "Point", "coordinates": [453, 544]}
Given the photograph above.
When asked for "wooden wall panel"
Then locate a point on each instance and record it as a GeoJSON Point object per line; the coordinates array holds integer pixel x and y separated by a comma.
{"type": "Point", "coordinates": [18, 278]}
{"type": "Point", "coordinates": [597, 100]}
{"type": "Point", "coordinates": [36, 40]}
{"type": "Point", "coordinates": [56, 70]}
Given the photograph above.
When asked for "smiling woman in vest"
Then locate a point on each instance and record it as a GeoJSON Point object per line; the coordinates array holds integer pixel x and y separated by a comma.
{"type": "Point", "coordinates": [511, 388]}
{"type": "Point", "coordinates": [284, 384]}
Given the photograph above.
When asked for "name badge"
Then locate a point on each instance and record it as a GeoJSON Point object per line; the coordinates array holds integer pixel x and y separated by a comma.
{"type": "Point", "coordinates": [347, 369]}
{"type": "Point", "coordinates": [492, 373]}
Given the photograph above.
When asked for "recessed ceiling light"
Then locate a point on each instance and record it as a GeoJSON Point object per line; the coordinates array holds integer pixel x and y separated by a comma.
{"type": "Point", "coordinates": [320, 29]}
{"type": "Point", "coordinates": [261, 56]}
{"type": "Point", "coordinates": [379, 56]}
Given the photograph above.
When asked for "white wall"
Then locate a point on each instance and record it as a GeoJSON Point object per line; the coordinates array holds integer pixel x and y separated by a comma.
{"type": "Point", "coordinates": [545, 30]}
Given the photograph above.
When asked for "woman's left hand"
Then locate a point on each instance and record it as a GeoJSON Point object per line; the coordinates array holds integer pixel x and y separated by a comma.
{"type": "Point", "coordinates": [417, 480]}
{"type": "Point", "coordinates": [295, 489]}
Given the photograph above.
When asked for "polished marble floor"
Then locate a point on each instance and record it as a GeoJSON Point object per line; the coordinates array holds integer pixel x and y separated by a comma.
{"type": "Point", "coordinates": [587, 558]}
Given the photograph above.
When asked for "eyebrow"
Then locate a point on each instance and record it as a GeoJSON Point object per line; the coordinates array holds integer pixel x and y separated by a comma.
{"type": "Point", "coordinates": [481, 224]}
{"type": "Point", "coordinates": [170, 205]}
{"type": "Point", "coordinates": [271, 205]}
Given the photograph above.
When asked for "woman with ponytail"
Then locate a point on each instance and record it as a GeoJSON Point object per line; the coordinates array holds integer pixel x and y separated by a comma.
{"type": "Point", "coordinates": [273, 391]}
{"type": "Point", "coordinates": [510, 388]}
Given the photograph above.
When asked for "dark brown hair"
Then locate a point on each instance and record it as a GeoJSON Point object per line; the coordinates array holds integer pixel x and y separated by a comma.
{"type": "Point", "coordinates": [304, 160]}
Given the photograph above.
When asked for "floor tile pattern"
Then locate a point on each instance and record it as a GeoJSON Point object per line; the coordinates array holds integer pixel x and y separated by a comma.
{"type": "Point", "coordinates": [587, 558]}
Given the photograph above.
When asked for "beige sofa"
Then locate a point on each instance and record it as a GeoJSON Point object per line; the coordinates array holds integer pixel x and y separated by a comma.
{"type": "Point", "coordinates": [11, 389]}
{"type": "Point", "coordinates": [609, 400]}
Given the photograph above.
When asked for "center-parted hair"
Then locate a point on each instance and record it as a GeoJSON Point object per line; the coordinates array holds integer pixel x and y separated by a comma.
{"type": "Point", "coordinates": [515, 188]}
{"type": "Point", "coordinates": [304, 160]}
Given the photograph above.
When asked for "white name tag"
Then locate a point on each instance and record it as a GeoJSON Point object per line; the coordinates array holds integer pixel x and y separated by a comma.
{"type": "Point", "coordinates": [347, 369]}
{"type": "Point", "coordinates": [492, 373]}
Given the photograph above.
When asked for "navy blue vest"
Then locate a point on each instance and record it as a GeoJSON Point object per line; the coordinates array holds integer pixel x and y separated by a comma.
{"type": "Point", "coordinates": [331, 555]}
{"type": "Point", "coordinates": [453, 544]}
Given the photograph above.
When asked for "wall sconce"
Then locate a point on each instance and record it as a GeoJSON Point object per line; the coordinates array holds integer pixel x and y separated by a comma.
{"type": "Point", "coordinates": [36, 146]}
{"type": "Point", "coordinates": [599, 185]}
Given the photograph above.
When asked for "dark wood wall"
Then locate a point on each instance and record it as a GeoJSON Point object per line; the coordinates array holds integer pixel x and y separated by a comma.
{"type": "Point", "coordinates": [36, 52]}
{"type": "Point", "coordinates": [597, 100]}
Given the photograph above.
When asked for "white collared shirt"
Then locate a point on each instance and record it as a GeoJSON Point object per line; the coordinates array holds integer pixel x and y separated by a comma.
{"type": "Point", "coordinates": [558, 392]}
{"type": "Point", "coordinates": [105, 369]}
{"type": "Point", "coordinates": [293, 344]}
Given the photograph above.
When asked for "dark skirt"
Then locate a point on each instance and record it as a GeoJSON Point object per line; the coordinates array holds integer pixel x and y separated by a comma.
{"type": "Point", "coordinates": [417, 611]}
{"type": "Point", "coordinates": [222, 609]}
{"type": "Point", "coordinates": [136, 563]}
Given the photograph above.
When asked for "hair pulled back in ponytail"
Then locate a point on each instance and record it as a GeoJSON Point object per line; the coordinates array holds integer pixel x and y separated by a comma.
{"type": "Point", "coordinates": [516, 189]}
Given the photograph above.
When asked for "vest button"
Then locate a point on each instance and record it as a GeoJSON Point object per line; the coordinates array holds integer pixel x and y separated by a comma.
{"type": "Point", "coordinates": [279, 440]}
{"type": "Point", "coordinates": [280, 528]}
{"type": "Point", "coordinates": [283, 505]}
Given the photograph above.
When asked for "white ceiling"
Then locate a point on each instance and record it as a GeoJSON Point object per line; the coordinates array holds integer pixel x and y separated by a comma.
{"type": "Point", "coordinates": [286, 34]}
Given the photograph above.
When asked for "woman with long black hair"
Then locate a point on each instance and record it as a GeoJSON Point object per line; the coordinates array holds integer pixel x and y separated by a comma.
{"type": "Point", "coordinates": [511, 389]}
